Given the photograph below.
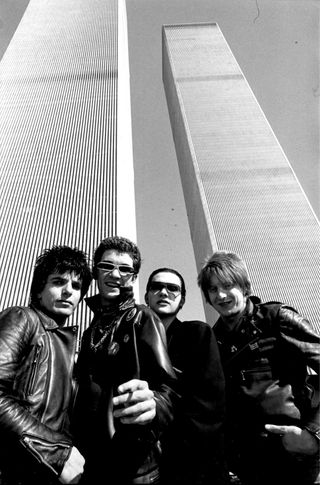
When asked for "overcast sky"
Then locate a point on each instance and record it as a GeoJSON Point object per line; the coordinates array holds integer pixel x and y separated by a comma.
{"type": "Point", "coordinates": [276, 44]}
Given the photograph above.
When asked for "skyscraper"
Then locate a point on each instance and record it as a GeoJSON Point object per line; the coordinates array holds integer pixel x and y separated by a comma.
{"type": "Point", "coordinates": [65, 136]}
{"type": "Point", "coordinates": [240, 190]}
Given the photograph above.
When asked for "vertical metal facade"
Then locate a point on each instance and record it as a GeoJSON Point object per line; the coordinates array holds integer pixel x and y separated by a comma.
{"type": "Point", "coordinates": [240, 191]}
{"type": "Point", "coordinates": [59, 100]}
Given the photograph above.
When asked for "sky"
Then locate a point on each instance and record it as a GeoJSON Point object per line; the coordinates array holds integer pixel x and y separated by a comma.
{"type": "Point", "coordinates": [276, 44]}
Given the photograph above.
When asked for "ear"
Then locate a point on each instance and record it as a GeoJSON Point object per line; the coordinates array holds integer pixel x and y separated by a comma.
{"type": "Point", "coordinates": [134, 277]}
{"type": "Point", "coordinates": [146, 299]}
{"type": "Point", "coordinates": [182, 302]}
{"type": "Point", "coordinates": [94, 273]}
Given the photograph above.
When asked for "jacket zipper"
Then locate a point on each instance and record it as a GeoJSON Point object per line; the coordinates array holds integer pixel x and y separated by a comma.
{"type": "Point", "coordinates": [27, 443]}
{"type": "Point", "coordinates": [51, 352]}
{"type": "Point", "coordinates": [34, 368]}
{"type": "Point", "coordinates": [255, 370]}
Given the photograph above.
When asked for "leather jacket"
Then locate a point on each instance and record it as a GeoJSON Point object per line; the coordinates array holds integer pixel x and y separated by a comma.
{"type": "Point", "coordinates": [193, 446]}
{"type": "Point", "coordinates": [36, 365]}
{"type": "Point", "coordinates": [134, 350]}
{"type": "Point", "coordinates": [270, 352]}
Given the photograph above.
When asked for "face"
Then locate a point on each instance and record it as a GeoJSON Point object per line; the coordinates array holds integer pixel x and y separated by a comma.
{"type": "Point", "coordinates": [163, 303]}
{"type": "Point", "coordinates": [60, 295]}
{"type": "Point", "coordinates": [110, 281]}
{"type": "Point", "coordinates": [227, 300]}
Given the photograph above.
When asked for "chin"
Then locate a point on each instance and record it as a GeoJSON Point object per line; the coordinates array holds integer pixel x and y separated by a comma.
{"type": "Point", "coordinates": [63, 314]}
{"type": "Point", "coordinates": [112, 296]}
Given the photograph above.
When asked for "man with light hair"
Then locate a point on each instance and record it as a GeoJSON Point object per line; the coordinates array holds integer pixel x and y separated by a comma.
{"type": "Point", "coordinates": [266, 349]}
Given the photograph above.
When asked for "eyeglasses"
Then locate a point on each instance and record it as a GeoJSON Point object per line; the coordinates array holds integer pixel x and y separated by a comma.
{"type": "Point", "coordinates": [123, 269]}
{"type": "Point", "coordinates": [171, 288]}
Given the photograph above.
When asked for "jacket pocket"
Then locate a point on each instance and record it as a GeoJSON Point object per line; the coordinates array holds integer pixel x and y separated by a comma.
{"type": "Point", "coordinates": [30, 387]}
{"type": "Point", "coordinates": [255, 381]}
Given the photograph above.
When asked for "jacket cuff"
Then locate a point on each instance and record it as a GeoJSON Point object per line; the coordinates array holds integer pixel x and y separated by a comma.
{"type": "Point", "coordinates": [65, 453]}
{"type": "Point", "coordinates": [313, 429]}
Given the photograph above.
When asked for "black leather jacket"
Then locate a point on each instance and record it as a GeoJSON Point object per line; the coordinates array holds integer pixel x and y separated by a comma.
{"type": "Point", "coordinates": [36, 364]}
{"type": "Point", "coordinates": [272, 344]}
{"type": "Point", "coordinates": [193, 447]}
{"type": "Point", "coordinates": [135, 349]}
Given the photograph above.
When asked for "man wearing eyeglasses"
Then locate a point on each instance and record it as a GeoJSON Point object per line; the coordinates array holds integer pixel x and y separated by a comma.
{"type": "Point", "coordinates": [125, 397]}
{"type": "Point", "coordinates": [193, 444]}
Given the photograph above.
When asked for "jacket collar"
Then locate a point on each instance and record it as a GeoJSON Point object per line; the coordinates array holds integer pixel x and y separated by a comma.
{"type": "Point", "coordinates": [251, 309]}
{"type": "Point", "coordinates": [47, 322]}
{"type": "Point", "coordinates": [171, 329]}
{"type": "Point", "coordinates": [94, 303]}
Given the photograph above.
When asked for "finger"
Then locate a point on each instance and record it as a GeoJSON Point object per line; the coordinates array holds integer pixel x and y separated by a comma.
{"type": "Point", "coordinates": [135, 409]}
{"type": "Point", "coordinates": [132, 397]}
{"type": "Point", "coordinates": [133, 385]}
{"type": "Point", "coordinates": [123, 399]}
{"type": "Point", "coordinates": [144, 418]}
{"type": "Point", "coordinates": [272, 428]}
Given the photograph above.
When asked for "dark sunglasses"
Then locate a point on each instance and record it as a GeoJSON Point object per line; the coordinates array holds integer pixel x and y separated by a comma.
{"type": "Point", "coordinates": [123, 269]}
{"type": "Point", "coordinates": [156, 287]}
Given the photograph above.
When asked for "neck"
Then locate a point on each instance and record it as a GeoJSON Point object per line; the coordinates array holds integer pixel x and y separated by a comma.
{"type": "Point", "coordinates": [110, 304]}
{"type": "Point", "coordinates": [60, 320]}
{"type": "Point", "coordinates": [167, 320]}
{"type": "Point", "coordinates": [231, 322]}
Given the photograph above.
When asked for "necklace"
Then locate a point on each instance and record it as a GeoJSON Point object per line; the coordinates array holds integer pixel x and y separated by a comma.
{"type": "Point", "coordinates": [103, 332]}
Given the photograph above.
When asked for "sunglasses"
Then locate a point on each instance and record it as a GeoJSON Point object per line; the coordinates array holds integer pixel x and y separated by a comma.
{"type": "Point", "coordinates": [171, 288]}
{"type": "Point", "coordinates": [123, 269]}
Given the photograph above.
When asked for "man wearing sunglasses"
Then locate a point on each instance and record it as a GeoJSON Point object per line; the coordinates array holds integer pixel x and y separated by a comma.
{"type": "Point", "coordinates": [193, 444]}
{"type": "Point", "coordinates": [125, 396]}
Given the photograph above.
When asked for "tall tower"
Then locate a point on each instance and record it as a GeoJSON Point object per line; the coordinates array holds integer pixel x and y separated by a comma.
{"type": "Point", "coordinates": [240, 191]}
{"type": "Point", "coordinates": [66, 147]}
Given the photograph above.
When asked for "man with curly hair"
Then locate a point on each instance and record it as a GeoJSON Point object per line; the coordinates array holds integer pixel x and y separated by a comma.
{"type": "Point", "coordinates": [36, 365]}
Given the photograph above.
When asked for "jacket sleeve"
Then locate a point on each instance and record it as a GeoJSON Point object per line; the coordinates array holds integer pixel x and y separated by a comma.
{"type": "Point", "coordinates": [297, 332]}
{"type": "Point", "coordinates": [48, 447]}
{"type": "Point", "coordinates": [156, 367]}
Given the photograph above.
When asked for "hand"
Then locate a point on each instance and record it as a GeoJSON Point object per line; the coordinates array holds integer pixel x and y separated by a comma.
{"type": "Point", "coordinates": [295, 439]}
{"type": "Point", "coordinates": [73, 468]}
{"type": "Point", "coordinates": [135, 403]}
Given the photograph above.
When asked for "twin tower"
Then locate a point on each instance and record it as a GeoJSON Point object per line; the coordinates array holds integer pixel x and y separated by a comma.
{"type": "Point", "coordinates": [67, 169]}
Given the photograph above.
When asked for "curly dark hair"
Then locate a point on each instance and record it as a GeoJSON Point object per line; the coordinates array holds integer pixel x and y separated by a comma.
{"type": "Point", "coordinates": [121, 245]}
{"type": "Point", "coordinates": [60, 259]}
